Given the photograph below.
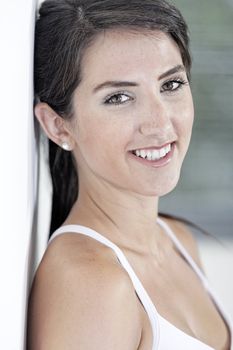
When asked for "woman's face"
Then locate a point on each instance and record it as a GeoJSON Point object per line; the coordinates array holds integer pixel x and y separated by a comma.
{"type": "Point", "coordinates": [133, 112]}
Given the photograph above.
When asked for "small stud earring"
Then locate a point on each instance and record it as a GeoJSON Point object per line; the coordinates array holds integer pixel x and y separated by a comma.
{"type": "Point", "coordinates": [65, 146]}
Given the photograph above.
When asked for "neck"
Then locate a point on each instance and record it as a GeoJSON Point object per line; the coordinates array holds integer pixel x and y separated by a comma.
{"type": "Point", "coordinates": [128, 219]}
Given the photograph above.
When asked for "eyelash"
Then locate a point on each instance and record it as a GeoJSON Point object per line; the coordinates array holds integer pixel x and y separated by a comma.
{"type": "Point", "coordinates": [180, 81]}
{"type": "Point", "coordinates": [117, 94]}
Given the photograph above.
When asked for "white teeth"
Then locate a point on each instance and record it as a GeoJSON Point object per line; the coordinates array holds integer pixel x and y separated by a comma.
{"type": "Point", "coordinates": [162, 152]}
{"type": "Point", "coordinates": [154, 154]}
{"type": "Point", "coordinates": [168, 148]}
{"type": "Point", "coordinates": [149, 155]}
{"type": "Point", "coordinates": [142, 154]}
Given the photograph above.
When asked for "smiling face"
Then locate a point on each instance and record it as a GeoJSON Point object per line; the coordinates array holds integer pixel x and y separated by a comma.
{"type": "Point", "coordinates": [133, 112]}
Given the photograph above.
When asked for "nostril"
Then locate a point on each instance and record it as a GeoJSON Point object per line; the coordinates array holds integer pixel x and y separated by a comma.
{"type": "Point", "coordinates": [155, 127]}
{"type": "Point", "coordinates": [148, 128]}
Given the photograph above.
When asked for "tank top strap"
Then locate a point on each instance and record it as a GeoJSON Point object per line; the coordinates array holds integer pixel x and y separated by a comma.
{"type": "Point", "coordinates": [182, 250]}
{"type": "Point", "coordinates": [197, 270]}
{"type": "Point", "coordinates": [139, 289]}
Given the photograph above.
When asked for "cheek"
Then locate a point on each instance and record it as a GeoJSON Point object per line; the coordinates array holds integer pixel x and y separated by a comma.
{"type": "Point", "coordinates": [189, 117]}
{"type": "Point", "coordinates": [100, 138]}
{"type": "Point", "coordinates": [184, 118]}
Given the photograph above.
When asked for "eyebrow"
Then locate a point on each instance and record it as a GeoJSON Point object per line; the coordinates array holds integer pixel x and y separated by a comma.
{"type": "Point", "coordinates": [116, 83]}
{"type": "Point", "coordinates": [177, 69]}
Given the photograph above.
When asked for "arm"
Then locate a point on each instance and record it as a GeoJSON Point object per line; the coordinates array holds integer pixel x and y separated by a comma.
{"type": "Point", "coordinates": [83, 304]}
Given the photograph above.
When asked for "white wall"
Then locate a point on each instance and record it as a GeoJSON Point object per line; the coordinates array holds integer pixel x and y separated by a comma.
{"type": "Point", "coordinates": [18, 166]}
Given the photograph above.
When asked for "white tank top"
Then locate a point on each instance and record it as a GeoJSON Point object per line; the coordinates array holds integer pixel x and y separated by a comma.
{"type": "Point", "coordinates": [165, 335]}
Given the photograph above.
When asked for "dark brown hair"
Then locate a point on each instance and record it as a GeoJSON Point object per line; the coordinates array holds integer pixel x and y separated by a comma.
{"type": "Point", "coordinates": [64, 29]}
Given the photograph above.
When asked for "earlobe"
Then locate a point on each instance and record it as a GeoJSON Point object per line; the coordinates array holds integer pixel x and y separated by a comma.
{"type": "Point", "coordinates": [66, 146]}
{"type": "Point", "coordinates": [52, 124]}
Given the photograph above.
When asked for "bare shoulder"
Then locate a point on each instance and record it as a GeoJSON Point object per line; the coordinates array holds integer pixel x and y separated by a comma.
{"type": "Point", "coordinates": [186, 237]}
{"type": "Point", "coordinates": [82, 298]}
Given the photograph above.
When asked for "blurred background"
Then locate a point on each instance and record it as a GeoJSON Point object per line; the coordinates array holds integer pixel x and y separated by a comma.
{"type": "Point", "coordinates": [205, 191]}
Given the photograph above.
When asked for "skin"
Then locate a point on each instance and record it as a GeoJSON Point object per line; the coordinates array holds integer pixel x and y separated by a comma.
{"type": "Point", "coordinates": [118, 196]}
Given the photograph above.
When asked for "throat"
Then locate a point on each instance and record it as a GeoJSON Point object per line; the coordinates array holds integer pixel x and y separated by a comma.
{"type": "Point", "coordinates": [123, 218]}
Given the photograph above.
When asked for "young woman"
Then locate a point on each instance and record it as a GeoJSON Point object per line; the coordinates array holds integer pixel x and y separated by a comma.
{"type": "Point", "coordinates": [113, 96]}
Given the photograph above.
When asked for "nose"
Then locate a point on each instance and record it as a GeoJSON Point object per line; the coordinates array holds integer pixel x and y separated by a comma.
{"type": "Point", "coordinates": [156, 117]}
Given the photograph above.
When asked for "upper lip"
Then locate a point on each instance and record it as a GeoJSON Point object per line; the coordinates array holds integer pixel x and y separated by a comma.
{"type": "Point", "coordinates": [153, 147]}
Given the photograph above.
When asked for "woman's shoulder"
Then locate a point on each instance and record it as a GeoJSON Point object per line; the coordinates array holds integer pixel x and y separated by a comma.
{"type": "Point", "coordinates": [71, 254]}
{"type": "Point", "coordinates": [77, 258]}
{"type": "Point", "coordinates": [82, 292]}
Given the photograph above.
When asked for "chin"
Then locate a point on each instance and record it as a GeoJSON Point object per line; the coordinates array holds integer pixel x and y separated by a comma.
{"type": "Point", "coordinates": [161, 188]}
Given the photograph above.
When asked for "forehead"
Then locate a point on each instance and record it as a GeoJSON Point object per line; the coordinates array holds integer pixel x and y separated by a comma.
{"type": "Point", "coordinates": [119, 53]}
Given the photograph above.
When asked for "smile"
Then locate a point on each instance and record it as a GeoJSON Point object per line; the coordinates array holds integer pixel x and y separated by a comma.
{"type": "Point", "coordinates": [153, 154]}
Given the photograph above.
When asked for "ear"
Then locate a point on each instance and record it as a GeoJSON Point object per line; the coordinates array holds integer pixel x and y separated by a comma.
{"type": "Point", "coordinates": [54, 126]}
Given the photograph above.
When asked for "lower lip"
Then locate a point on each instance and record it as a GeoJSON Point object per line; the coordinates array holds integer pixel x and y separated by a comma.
{"type": "Point", "coordinates": [156, 163]}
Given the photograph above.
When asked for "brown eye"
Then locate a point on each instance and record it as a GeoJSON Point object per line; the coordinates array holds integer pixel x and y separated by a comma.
{"type": "Point", "coordinates": [172, 85]}
{"type": "Point", "coordinates": [117, 99]}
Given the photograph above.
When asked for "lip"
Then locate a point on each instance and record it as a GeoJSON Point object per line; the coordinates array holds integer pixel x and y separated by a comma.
{"type": "Point", "coordinates": [155, 163]}
{"type": "Point", "coordinates": [153, 147]}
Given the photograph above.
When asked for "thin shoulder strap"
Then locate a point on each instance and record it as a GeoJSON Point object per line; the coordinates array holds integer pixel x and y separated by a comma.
{"type": "Point", "coordinates": [197, 269]}
{"type": "Point", "coordinates": [183, 251]}
{"type": "Point", "coordinates": [141, 292]}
